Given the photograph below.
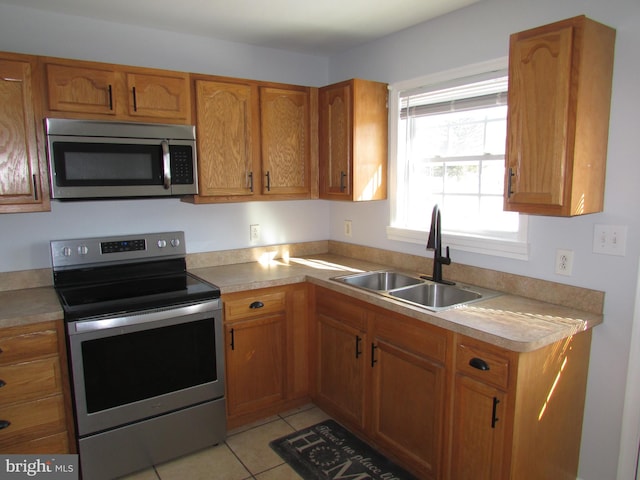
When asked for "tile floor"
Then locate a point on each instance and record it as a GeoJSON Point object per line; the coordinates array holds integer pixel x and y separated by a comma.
{"type": "Point", "coordinates": [244, 455]}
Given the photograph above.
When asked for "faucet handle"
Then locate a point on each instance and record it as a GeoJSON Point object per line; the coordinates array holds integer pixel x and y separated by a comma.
{"type": "Point", "coordinates": [446, 260]}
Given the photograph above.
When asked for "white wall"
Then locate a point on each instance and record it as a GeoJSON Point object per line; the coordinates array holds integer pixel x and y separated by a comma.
{"type": "Point", "coordinates": [25, 237]}
{"type": "Point", "coordinates": [480, 33]}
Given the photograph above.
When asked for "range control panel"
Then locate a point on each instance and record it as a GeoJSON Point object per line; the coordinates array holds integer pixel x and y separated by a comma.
{"type": "Point", "coordinates": [97, 250]}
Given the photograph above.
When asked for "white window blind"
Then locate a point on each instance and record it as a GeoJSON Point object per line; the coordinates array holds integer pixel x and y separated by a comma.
{"type": "Point", "coordinates": [450, 142]}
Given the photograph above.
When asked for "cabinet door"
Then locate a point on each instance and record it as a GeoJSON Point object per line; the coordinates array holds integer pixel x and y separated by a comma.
{"type": "Point", "coordinates": [413, 431]}
{"type": "Point", "coordinates": [79, 89]}
{"type": "Point", "coordinates": [22, 166]}
{"type": "Point", "coordinates": [478, 431]}
{"type": "Point", "coordinates": [539, 89]}
{"type": "Point", "coordinates": [159, 96]}
{"type": "Point", "coordinates": [340, 370]}
{"type": "Point", "coordinates": [285, 133]}
{"type": "Point", "coordinates": [255, 357]}
{"type": "Point", "coordinates": [560, 78]}
{"type": "Point", "coordinates": [225, 135]}
{"type": "Point", "coordinates": [335, 128]}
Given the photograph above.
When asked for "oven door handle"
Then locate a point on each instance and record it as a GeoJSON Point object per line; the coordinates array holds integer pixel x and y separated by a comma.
{"type": "Point", "coordinates": [92, 325]}
{"type": "Point", "coordinates": [166, 161]}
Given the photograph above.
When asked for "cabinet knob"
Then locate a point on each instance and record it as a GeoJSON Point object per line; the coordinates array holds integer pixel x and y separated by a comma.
{"type": "Point", "coordinates": [256, 304]}
{"type": "Point", "coordinates": [479, 363]}
{"type": "Point", "coordinates": [2, 383]}
{"type": "Point", "coordinates": [4, 424]}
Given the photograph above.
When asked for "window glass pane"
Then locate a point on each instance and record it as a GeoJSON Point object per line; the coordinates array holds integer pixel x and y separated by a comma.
{"type": "Point", "coordinates": [492, 178]}
{"type": "Point", "coordinates": [452, 154]}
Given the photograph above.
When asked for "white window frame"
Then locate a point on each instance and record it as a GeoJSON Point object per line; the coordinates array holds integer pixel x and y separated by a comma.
{"type": "Point", "coordinates": [516, 247]}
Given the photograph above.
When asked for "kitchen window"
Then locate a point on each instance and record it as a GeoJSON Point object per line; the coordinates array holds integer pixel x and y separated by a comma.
{"type": "Point", "coordinates": [448, 136]}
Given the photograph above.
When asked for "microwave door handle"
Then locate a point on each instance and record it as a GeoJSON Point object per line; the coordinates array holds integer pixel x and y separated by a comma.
{"type": "Point", "coordinates": [166, 160]}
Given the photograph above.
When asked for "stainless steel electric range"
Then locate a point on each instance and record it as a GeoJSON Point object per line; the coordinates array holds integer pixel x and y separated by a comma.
{"type": "Point", "coordinates": [145, 350]}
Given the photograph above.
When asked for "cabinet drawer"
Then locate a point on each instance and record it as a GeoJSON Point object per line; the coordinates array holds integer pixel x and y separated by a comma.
{"type": "Point", "coordinates": [484, 363]}
{"type": "Point", "coordinates": [52, 444]}
{"type": "Point", "coordinates": [254, 306]}
{"type": "Point", "coordinates": [26, 345]}
{"type": "Point", "coordinates": [30, 380]}
{"type": "Point", "coordinates": [31, 420]}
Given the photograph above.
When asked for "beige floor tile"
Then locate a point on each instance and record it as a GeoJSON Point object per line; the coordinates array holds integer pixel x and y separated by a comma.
{"type": "Point", "coordinates": [149, 474]}
{"type": "Point", "coordinates": [306, 418]}
{"type": "Point", "coordinates": [294, 411]}
{"type": "Point", "coordinates": [282, 472]}
{"type": "Point", "coordinates": [252, 446]}
{"type": "Point", "coordinates": [249, 426]}
{"type": "Point", "coordinates": [216, 462]}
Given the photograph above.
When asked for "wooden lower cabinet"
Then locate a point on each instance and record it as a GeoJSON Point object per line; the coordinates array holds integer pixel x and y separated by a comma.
{"type": "Point", "coordinates": [518, 416]}
{"type": "Point", "coordinates": [341, 365]}
{"type": "Point", "coordinates": [266, 352]}
{"type": "Point", "coordinates": [35, 413]}
{"type": "Point", "coordinates": [478, 430]}
{"type": "Point", "coordinates": [409, 391]}
{"type": "Point", "coordinates": [384, 376]}
{"type": "Point", "coordinates": [447, 406]}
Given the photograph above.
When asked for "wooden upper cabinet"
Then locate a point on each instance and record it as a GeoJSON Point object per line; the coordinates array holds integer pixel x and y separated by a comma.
{"type": "Point", "coordinates": [285, 141]}
{"type": "Point", "coordinates": [558, 118]}
{"type": "Point", "coordinates": [160, 96]}
{"type": "Point", "coordinates": [226, 135]}
{"type": "Point", "coordinates": [336, 126]}
{"type": "Point", "coordinates": [78, 89]}
{"type": "Point", "coordinates": [23, 167]}
{"type": "Point", "coordinates": [353, 133]}
{"type": "Point", "coordinates": [255, 140]}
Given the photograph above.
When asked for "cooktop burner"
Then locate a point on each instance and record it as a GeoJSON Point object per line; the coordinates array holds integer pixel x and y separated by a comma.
{"type": "Point", "coordinates": [114, 275]}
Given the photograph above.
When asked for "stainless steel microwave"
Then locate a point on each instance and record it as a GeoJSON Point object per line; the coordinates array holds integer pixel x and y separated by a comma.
{"type": "Point", "coordinates": [94, 159]}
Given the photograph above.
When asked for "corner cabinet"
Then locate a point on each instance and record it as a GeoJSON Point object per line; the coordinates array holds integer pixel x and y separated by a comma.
{"type": "Point", "coordinates": [76, 89]}
{"type": "Point", "coordinates": [255, 140]}
{"type": "Point", "coordinates": [23, 164]}
{"type": "Point", "coordinates": [558, 118]}
{"type": "Point", "coordinates": [353, 133]}
{"type": "Point", "coordinates": [384, 376]}
{"type": "Point", "coordinates": [266, 352]}
{"type": "Point", "coordinates": [341, 368]}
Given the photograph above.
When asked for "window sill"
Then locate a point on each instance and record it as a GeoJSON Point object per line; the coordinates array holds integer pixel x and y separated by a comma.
{"type": "Point", "coordinates": [516, 249]}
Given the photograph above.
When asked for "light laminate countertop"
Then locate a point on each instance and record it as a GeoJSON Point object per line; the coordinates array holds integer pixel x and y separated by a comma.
{"type": "Point", "coordinates": [509, 321]}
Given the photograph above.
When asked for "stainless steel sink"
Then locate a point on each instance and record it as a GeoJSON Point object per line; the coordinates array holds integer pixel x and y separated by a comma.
{"type": "Point", "coordinates": [436, 295]}
{"type": "Point", "coordinates": [379, 281]}
{"type": "Point", "coordinates": [416, 290]}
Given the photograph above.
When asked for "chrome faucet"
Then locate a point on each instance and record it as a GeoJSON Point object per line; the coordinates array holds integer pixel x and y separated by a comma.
{"type": "Point", "coordinates": [434, 243]}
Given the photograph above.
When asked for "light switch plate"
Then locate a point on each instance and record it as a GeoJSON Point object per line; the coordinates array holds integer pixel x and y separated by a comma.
{"type": "Point", "coordinates": [610, 239]}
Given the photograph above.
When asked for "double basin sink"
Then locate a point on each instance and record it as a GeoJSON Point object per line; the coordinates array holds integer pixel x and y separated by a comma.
{"type": "Point", "coordinates": [416, 290]}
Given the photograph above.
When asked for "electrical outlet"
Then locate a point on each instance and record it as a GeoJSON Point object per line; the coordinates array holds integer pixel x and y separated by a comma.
{"type": "Point", "coordinates": [254, 233]}
{"type": "Point", "coordinates": [610, 239]}
{"type": "Point", "coordinates": [347, 228]}
{"type": "Point", "coordinates": [564, 262]}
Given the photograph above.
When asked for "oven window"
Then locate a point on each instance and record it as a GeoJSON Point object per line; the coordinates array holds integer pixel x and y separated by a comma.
{"type": "Point", "coordinates": [90, 164]}
{"type": "Point", "coordinates": [122, 369]}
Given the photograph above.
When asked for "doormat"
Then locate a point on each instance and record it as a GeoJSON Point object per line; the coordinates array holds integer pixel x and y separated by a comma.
{"type": "Point", "coordinates": [326, 451]}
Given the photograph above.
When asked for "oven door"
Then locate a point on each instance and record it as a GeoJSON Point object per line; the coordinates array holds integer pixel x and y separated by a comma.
{"type": "Point", "coordinates": [130, 368]}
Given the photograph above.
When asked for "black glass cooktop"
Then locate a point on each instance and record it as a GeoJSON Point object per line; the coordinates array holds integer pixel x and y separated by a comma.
{"type": "Point", "coordinates": [125, 289]}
